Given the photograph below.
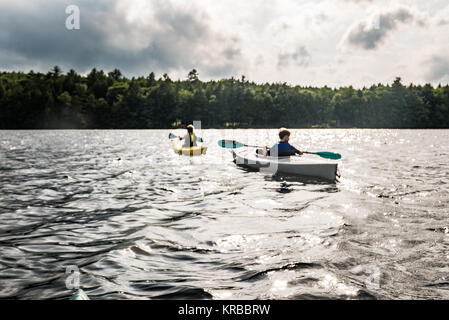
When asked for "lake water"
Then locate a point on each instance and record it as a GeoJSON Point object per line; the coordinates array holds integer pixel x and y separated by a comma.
{"type": "Point", "coordinates": [141, 222]}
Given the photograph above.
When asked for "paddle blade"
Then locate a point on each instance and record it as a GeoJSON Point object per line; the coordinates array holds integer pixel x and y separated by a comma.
{"type": "Point", "coordinates": [329, 155]}
{"type": "Point", "coordinates": [230, 144]}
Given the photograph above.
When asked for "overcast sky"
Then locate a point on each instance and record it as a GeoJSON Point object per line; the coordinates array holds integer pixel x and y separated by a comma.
{"type": "Point", "coordinates": [305, 42]}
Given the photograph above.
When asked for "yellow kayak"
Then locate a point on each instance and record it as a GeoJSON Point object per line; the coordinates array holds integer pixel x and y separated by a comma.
{"type": "Point", "coordinates": [193, 151]}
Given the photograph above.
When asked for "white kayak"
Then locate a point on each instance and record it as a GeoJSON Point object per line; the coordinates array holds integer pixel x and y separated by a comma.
{"type": "Point", "coordinates": [287, 165]}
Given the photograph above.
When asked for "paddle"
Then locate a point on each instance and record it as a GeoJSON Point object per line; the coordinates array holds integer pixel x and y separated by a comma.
{"type": "Point", "coordinates": [171, 136]}
{"type": "Point", "coordinates": [232, 144]}
{"type": "Point", "coordinates": [326, 155]}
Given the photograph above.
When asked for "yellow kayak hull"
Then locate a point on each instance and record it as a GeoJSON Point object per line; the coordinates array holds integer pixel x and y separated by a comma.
{"type": "Point", "coordinates": [191, 152]}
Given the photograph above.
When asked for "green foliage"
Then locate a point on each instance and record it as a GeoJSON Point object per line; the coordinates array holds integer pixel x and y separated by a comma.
{"type": "Point", "coordinates": [193, 75]}
{"type": "Point", "coordinates": [116, 74]}
{"type": "Point", "coordinates": [99, 100]}
{"type": "Point", "coordinates": [2, 91]}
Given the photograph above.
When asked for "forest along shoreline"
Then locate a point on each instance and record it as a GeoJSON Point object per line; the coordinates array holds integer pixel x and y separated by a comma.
{"type": "Point", "coordinates": [102, 100]}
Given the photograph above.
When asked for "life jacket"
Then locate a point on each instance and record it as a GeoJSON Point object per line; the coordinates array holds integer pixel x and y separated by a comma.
{"type": "Point", "coordinates": [190, 141]}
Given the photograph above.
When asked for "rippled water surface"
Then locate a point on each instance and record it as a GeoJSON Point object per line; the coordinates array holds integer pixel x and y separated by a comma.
{"type": "Point", "coordinates": [141, 222]}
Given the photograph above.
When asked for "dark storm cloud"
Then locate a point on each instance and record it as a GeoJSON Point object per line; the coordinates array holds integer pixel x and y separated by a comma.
{"type": "Point", "coordinates": [370, 34]}
{"type": "Point", "coordinates": [439, 68]}
{"type": "Point", "coordinates": [36, 36]}
{"type": "Point", "coordinates": [300, 57]}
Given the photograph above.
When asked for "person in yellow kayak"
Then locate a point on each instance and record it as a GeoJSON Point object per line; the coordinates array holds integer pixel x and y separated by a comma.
{"type": "Point", "coordinates": [282, 148]}
{"type": "Point", "coordinates": [190, 139]}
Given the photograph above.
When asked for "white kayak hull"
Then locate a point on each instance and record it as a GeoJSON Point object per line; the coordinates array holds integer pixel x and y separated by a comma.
{"type": "Point", "coordinates": [302, 167]}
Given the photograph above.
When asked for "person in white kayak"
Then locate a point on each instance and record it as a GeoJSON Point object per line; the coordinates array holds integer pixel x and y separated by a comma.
{"type": "Point", "coordinates": [190, 139]}
{"type": "Point", "coordinates": [282, 148]}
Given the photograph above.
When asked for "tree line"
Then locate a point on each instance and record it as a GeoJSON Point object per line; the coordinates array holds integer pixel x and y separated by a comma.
{"type": "Point", "coordinates": [102, 100]}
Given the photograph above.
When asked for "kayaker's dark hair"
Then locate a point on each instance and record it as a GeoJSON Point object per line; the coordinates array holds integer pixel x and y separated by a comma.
{"type": "Point", "coordinates": [190, 128]}
{"type": "Point", "coordinates": [283, 132]}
